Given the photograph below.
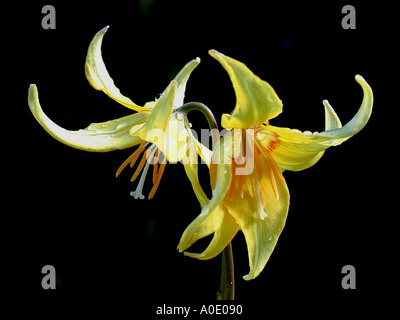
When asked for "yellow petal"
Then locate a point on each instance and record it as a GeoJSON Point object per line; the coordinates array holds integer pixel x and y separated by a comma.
{"type": "Point", "coordinates": [222, 237]}
{"type": "Point", "coordinates": [192, 173]}
{"type": "Point", "coordinates": [296, 151]}
{"type": "Point", "coordinates": [160, 113]}
{"type": "Point", "coordinates": [164, 128]}
{"type": "Point", "coordinates": [300, 150]}
{"type": "Point", "coordinates": [181, 80]}
{"type": "Point", "coordinates": [176, 138]}
{"type": "Point", "coordinates": [332, 121]}
{"type": "Point", "coordinates": [204, 153]}
{"type": "Point", "coordinates": [212, 215]}
{"type": "Point", "coordinates": [98, 76]}
{"type": "Point", "coordinates": [358, 122]}
{"type": "Point", "coordinates": [190, 159]}
{"type": "Point", "coordinates": [256, 100]}
{"type": "Point", "coordinates": [260, 209]}
{"type": "Point", "coordinates": [190, 163]}
{"type": "Point", "coordinates": [99, 137]}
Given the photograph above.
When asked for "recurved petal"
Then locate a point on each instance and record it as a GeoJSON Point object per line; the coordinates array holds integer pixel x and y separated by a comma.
{"type": "Point", "coordinates": [260, 209]}
{"type": "Point", "coordinates": [181, 79]}
{"type": "Point", "coordinates": [222, 237]}
{"type": "Point", "coordinates": [256, 100]}
{"type": "Point", "coordinates": [204, 153]}
{"type": "Point", "coordinates": [190, 163]}
{"type": "Point", "coordinates": [300, 150]}
{"type": "Point", "coordinates": [191, 170]}
{"type": "Point", "coordinates": [98, 76]}
{"type": "Point", "coordinates": [297, 151]}
{"type": "Point", "coordinates": [358, 122]}
{"type": "Point", "coordinates": [99, 137]}
{"type": "Point", "coordinates": [332, 120]}
{"type": "Point", "coordinates": [261, 238]}
{"type": "Point", "coordinates": [212, 215]}
{"type": "Point", "coordinates": [190, 159]}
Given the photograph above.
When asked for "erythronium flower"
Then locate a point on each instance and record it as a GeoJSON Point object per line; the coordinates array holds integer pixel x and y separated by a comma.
{"type": "Point", "coordinates": [158, 125]}
{"type": "Point", "coordinates": [249, 190]}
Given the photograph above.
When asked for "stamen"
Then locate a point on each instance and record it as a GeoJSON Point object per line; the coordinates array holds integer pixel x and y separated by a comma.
{"type": "Point", "coordinates": [232, 189]}
{"type": "Point", "coordinates": [258, 167]}
{"type": "Point", "coordinates": [155, 164]}
{"type": "Point", "coordinates": [131, 158]}
{"type": "Point", "coordinates": [243, 143]}
{"type": "Point", "coordinates": [274, 174]}
{"type": "Point", "coordinates": [138, 192]}
{"type": "Point", "coordinates": [157, 180]}
{"type": "Point", "coordinates": [151, 156]}
{"type": "Point", "coordinates": [139, 168]}
{"type": "Point", "coordinates": [277, 171]}
{"type": "Point", "coordinates": [262, 195]}
{"type": "Point", "coordinates": [273, 182]}
{"type": "Point", "coordinates": [259, 206]}
{"type": "Point", "coordinates": [241, 180]}
{"type": "Point", "coordinates": [273, 170]}
{"type": "Point", "coordinates": [137, 153]}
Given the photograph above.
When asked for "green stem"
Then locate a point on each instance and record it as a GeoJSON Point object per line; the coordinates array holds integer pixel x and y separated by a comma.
{"type": "Point", "coordinates": [227, 284]}
{"type": "Point", "coordinates": [212, 123]}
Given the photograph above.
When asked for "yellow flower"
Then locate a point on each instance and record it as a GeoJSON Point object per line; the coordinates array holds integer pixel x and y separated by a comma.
{"type": "Point", "coordinates": [158, 125]}
{"type": "Point", "coordinates": [249, 190]}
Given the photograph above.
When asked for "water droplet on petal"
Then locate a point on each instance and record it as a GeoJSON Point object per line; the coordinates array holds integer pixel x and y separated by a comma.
{"type": "Point", "coordinates": [180, 116]}
{"type": "Point", "coordinates": [121, 125]}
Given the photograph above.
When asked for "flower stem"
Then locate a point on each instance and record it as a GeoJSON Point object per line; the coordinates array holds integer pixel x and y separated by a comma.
{"type": "Point", "coordinates": [187, 107]}
{"type": "Point", "coordinates": [227, 284]}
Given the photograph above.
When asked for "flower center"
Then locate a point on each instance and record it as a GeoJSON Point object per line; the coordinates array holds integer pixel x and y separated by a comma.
{"type": "Point", "coordinates": [151, 155]}
{"type": "Point", "coordinates": [255, 174]}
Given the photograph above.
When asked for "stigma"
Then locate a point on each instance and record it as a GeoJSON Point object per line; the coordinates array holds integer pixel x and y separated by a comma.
{"type": "Point", "coordinates": [150, 156]}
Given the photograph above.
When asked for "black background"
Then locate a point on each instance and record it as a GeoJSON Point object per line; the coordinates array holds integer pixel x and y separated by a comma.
{"type": "Point", "coordinates": [71, 212]}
